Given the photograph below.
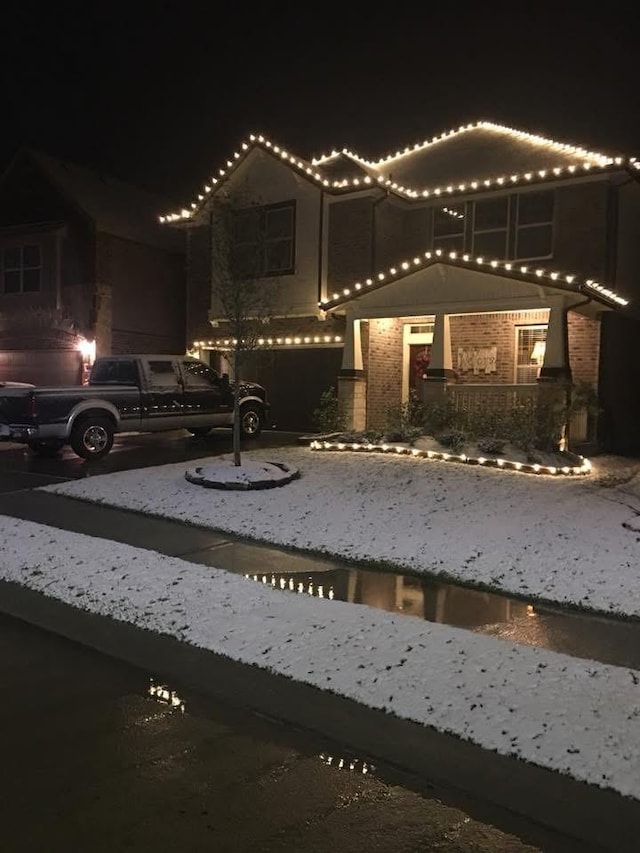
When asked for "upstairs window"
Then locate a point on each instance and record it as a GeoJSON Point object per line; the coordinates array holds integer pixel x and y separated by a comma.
{"type": "Point", "coordinates": [448, 228]}
{"type": "Point", "coordinates": [264, 240]}
{"type": "Point", "coordinates": [21, 269]}
{"type": "Point", "coordinates": [490, 227]}
{"type": "Point", "coordinates": [534, 225]}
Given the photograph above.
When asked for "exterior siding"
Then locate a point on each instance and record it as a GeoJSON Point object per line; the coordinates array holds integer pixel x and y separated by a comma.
{"type": "Point", "coordinates": [581, 229]}
{"type": "Point", "coordinates": [147, 295]}
{"type": "Point", "coordinates": [198, 299]}
{"type": "Point", "coordinates": [389, 220]}
{"type": "Point", "coordinates": [264, 179]}
{"type": "Point", "coordinates": [349, 242]}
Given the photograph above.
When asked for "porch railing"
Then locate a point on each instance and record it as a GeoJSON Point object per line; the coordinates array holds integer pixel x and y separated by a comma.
{"type": "Point", "coordinates": [490, 397]}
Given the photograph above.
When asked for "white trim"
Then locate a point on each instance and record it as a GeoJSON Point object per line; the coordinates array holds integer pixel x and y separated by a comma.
{"type": "Point", "coordinates": [409, 338]}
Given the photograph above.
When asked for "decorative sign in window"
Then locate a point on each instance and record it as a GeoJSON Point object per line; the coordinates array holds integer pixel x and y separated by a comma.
{"type": "Point", "coordinates": [477, 359]}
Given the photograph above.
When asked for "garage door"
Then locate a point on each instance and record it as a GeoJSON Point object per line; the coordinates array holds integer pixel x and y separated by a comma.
{"type": "Point", "coordinates": [295, 379]}
{"type": "Point", "coordinates": [41, 367]}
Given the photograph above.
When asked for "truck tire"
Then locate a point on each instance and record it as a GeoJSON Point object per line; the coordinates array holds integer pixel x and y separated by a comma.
{"type": "Point", "coordinates": [251, 418]}
{"type": "Point", "coordinates": [92, 437]}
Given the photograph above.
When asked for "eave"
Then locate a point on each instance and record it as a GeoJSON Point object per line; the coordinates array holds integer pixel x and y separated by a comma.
{"type": "Point", "coordinates": [533, 274]}
{"type": "Point", "coordinates": [589, 162]}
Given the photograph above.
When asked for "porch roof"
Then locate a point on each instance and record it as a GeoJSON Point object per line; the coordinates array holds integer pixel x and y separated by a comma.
{"type": "Point", "coordinates": [436, 281]}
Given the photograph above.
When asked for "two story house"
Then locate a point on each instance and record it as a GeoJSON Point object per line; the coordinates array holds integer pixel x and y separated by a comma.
{"type": "Point", "coordinates": [85, 268]}
{"type": "Point", "coordinates": [480, 266]}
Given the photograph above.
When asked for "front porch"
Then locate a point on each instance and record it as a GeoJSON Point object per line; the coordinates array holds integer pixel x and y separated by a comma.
{"type": "Point", "coordinates": [489, 363]}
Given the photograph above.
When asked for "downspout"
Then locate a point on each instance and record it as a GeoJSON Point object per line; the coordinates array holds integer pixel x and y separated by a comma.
{"type": "Point", "coordinates": [320, 245]}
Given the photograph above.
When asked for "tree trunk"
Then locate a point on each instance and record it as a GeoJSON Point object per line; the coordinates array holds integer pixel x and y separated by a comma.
{"type": "Point", "coordinates": [236, 409]}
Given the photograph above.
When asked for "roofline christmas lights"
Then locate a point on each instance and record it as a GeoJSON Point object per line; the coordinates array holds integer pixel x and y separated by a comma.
{"type": "Point", "coordinates": [282, 340]}
{"type": "Point", "coordinates": [590, 161]}
{"type": "Point", "coordinates": [406, 267]}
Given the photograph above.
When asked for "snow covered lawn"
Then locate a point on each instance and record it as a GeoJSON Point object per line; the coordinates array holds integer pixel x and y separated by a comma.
{"type": "Point", "coordinates": [573, 540]}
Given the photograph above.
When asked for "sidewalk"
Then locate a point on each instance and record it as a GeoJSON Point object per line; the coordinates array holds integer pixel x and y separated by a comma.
{"type": "Point", "coordinates": [498, 786]}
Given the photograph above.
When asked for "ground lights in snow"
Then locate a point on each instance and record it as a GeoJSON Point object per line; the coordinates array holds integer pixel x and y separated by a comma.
{"type": "Point", "coordinates": [507, 464]}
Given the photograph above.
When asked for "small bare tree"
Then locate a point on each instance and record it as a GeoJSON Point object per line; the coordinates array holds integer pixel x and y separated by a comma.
{"type": "Point", "coordinates": [238, 289]}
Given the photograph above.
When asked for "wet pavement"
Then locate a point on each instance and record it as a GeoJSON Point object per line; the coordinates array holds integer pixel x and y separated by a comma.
{"type": "Point", "coordinates": [96, 757]}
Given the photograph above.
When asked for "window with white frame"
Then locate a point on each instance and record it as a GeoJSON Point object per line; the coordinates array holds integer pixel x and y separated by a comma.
{"type": "Point", "coordinates": [534, 225]}
{"type": "Point", "coordinates": [530, 348]}
{"type": "Point", "coordinates": [490, 227]}
{"type": "Point", "coordinates": [21, 269]}
{"type": "Point", "coordinates": [448, 228]}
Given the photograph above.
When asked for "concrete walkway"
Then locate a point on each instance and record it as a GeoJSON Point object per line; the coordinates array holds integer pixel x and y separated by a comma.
{"type": "Point", "coordinates": [494, 788]}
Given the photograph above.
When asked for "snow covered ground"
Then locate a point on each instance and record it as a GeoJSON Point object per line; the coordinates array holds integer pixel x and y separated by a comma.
{"type": "Point", "coordinates": [569, 540]}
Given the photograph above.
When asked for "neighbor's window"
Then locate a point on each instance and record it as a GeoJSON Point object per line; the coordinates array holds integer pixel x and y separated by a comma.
{"type": "Point", "coordinates": [490, 226]}
{"type": "Point", "coordinates": [264, 240]}
{"type": "Point", "coordinates": [448, 228]}
{"type": "Point", "coordinates": [534, 225]}
{"type": "Point", "coordinates": [530, 348]}
{"type": "Point", "coordinates": [21, 269]}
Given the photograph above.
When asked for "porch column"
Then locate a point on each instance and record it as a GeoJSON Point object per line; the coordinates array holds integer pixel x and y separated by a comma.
{"type": "Point", "coordinates": [352, 385]}
{"type": "Point", "coordinates": [555, 374]}
{"type": "Point", "coordinates": [556, 367]}
{"type": "Point", "coordinates": [440, 369]}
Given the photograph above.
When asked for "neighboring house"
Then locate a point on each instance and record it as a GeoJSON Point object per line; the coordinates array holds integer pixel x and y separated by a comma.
{"type": "Point", "coordinates": [483, 264]}
{"type": "Point", "coordinates": [85, 267]}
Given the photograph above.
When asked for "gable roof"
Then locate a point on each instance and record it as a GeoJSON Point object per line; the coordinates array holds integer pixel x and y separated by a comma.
{"type": "Point", "coordinates": [472, 158]}
{"type": "Point", "coordinates": [507, 269]}
{"type": "Point", "coordinates": [114, 206]}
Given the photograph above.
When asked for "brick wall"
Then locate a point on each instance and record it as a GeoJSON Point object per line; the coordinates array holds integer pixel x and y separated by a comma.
{"type": "Point", "coordinates": [584, 348]}
{"type": "Point", "coordinates": [491, 330]}
{"type": "Point", "coordinates": [383, 368]}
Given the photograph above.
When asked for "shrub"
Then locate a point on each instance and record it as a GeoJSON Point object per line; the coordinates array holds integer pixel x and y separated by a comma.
{"type": "Point", "coordinates": [439, 417]}
{"type": "Point", "coordinates": [491, 445]}
{"type": "Point", "coordinates": [327, 417]}
{"type": "Point", "coordinates": [404, 415]}
{"type": "Point", "coordinates": [454, 439]}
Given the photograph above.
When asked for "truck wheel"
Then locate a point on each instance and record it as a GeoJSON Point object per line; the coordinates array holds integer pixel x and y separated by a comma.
{"type": "Point", "coordinates": [92, 438]}
{"type": "Point", "coordinates": [250, 421]}
{"type": "Point", "coordinates": [45, 448]}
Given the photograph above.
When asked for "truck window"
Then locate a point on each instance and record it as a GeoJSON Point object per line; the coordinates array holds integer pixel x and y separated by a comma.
{"type": "Point", "coordinates": [198, 375]}
{"type": "Point", "coordinates": [116, 372]}
{"type": "Point", "coordinates": [162, 374]}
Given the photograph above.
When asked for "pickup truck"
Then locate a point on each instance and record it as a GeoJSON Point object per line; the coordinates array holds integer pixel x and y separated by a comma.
{"type": "Point", "coordinates": [128, 393]}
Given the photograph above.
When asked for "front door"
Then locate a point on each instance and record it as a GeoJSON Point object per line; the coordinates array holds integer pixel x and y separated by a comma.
{"type": "Point", "coordinates": [416, 353]}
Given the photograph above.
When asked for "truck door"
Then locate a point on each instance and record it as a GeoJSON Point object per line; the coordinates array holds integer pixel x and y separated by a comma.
{"type": "Point", "coordinates": [163, 399]}
{"type": "Point", "coordinates": [208, 398]}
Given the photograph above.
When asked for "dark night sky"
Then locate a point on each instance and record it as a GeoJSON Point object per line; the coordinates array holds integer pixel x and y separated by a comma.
{"type": "Point", "coordinates": [160, 94]}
